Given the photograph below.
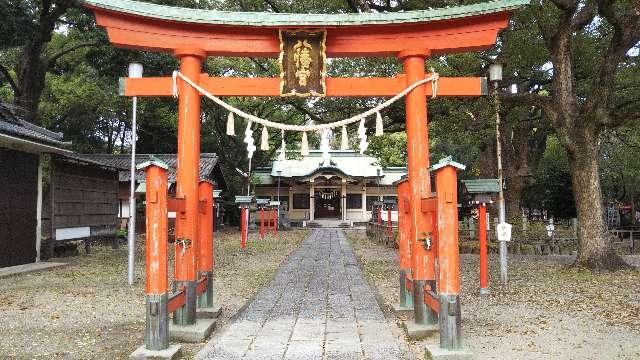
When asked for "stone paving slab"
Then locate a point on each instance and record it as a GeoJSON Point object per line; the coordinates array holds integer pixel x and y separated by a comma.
{"type": "Point", "coordinates": [318, 306]}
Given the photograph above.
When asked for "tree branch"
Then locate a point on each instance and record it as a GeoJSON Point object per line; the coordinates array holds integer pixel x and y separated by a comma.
{"type": "Point", "coordinates": [626, 34]}
{"type": "Point", "coordinates": [12, 82]}
{"type": "Point", "coordinates": [542, 102]}
{"type": "Point", "coordinates": [584, 17]}
{"type": "Point", "coordinates": [51, 61]}
{"type": "Point", "coordinates": [273, 6]}
{"type": "Point", "coordinates": [353, 6]}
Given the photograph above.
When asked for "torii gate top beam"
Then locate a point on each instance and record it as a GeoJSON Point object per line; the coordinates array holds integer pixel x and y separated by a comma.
{"type": "Point", "coordinates": [145, 26]}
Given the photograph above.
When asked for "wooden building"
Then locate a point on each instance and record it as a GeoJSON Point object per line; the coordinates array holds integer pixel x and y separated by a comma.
{"type": "Point", "coordinates": [338, 188]}
{"type": "Point", "coordinates": [209, 170]}
{"type": "Point", "coordinates": [34, 161]}
{"type": "Point", "coordinates": [84, 197]}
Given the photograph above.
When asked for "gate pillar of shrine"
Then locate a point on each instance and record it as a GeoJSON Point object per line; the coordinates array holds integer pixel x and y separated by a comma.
{"type": "Point", "coordinates": [422, 258]}
{"type": "Point", "coordinates": [187, 178]}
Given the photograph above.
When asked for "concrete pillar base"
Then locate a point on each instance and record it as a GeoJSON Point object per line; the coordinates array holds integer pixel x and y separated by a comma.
{"type": "Point", "coordinates": [435, 352]}
{"type": "Point", "coordinates": [141, 353]}
{"type": "Point", "coordinates": [209, 312]}
{"type": "Point", "coordinates": [197, 332]}
{"type": "Point", "coordinates": [402, 310]}
{"type": "Point", "coordinates": [420, 331]}
{"type": "Point", "coordinates": [484, 291]}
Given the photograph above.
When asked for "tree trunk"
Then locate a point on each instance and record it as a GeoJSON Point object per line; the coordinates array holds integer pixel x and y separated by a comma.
{"type": "Point", "coordinates": [513, 192]}
{"type": "Point", "coordinates": [594, 248]}
{"type": "Point", "coordinates": [31, 80]}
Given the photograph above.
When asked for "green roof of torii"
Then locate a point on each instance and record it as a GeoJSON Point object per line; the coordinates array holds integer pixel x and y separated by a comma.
{"type": "Point", "coordinates": [482, 186]}
{"type": "Point", "coordinates": [216, 17]}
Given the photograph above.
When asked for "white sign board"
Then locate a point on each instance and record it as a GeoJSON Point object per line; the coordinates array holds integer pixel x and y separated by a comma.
{"type": "Point", "coordinates": [503, 231]}
{"type": "Point", "coordinates": [550, 229]}
{"type": "Point", "coordinates": [73, 233]}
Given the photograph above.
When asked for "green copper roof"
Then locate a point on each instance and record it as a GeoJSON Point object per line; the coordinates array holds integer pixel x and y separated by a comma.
{"type": "Point", "coordinates": [482, 186]}
{"type": "Point", "coordinates": [282, 19]}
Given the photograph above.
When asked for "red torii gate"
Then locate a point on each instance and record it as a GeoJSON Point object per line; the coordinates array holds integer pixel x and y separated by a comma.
{"type": "Point", "coordinates": [192, 35]}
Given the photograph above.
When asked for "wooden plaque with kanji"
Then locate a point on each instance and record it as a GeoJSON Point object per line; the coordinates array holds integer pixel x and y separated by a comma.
{"type": "Point", "coordinates": [302, 63]}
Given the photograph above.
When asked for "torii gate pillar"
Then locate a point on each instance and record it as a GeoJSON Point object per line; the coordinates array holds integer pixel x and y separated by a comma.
{"type": "Point", "coordinates": [187, 177]}
{"type": "Point", "coordinates": [422, 259]}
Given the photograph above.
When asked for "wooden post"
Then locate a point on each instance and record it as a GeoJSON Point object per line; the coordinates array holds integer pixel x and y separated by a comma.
{"type": "Point", "coordinates": [268, 221]}
{"type": "Point", "coordinates": [157, 281]}
{"type": "Point", "coordinates": [422, 259]}
{"type": "Point", "coordinates": [275, 222]}
{"type": "Point", "coordinates": [448, 258]}
{"type": "Point", "coordinates": [205, 240]}
{"type": "Point", "coordinates": [262, 223]}
{"type": "Point", "coordinates": [389, 229]}
{"type": "Point", "coordinates": [187, 176]}
{"type": "Point", "coordinates": [482, 235]}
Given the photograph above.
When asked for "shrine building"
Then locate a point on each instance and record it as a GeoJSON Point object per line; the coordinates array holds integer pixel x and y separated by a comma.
{"type": "Point", "coordinates": [337, 188]}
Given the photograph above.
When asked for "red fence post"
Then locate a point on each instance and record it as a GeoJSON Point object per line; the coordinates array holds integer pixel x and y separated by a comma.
{"type": "Point", "coordinates": [205, 239]}
{"type": "Point", "coordinates": [243, 227]}
{"type": "Point", "coordinates": [482, 237]}
{"type": "Point", "coordinates": [157, 282]}
{"type": "Point", "coordinates": [262, 223]}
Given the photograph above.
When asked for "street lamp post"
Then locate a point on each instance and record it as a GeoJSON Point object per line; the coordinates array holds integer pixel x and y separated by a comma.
{"type": "Point", "coordinates": [135, 71]}
{"type": "Point", "coordinates": [495, 76]}
{"type": "Point", "coordinates": [279, 171]}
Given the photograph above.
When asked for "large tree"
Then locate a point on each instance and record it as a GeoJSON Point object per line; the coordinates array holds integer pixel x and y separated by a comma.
{"type": "Point", "coordinates": [589, 44]}
{"type": "Point", "coordinates": [34, 24]}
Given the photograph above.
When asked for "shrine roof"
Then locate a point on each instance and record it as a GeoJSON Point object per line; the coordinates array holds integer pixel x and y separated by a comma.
{"type": "Point", "coordinates": [348, 163]}
{"type": "Point", "coordinates": [216, 17]}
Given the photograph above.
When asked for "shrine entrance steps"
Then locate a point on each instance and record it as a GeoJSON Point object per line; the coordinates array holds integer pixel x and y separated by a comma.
{"type": "Point", "coordinates": [328, 223]}
{"type": "Point", "coordinates": [318, 306]}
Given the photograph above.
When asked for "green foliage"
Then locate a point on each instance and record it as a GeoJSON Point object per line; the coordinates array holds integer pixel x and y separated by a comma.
{"type": "Point", "coordinates": [552, 189]}
{"type": "Point", "coordinates": [391, 149]}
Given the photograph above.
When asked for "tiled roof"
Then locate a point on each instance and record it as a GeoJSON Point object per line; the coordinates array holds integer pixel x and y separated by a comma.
{"type": "Point", "coordinates": [208, 162]}
{"type": "Point", "coordinates": [11, 125]}
{"type": "Point", "coordinates": [215, 17]}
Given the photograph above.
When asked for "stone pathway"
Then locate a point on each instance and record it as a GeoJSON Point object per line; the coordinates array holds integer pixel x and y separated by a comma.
{"type": "Point", "coordinates": [318, 306]}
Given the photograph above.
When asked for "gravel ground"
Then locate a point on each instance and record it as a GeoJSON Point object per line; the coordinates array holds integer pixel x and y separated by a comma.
{"type": "Point", "coordinates": [548, 310]}
{"type": "Point", "coordinates": [86, 310]}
